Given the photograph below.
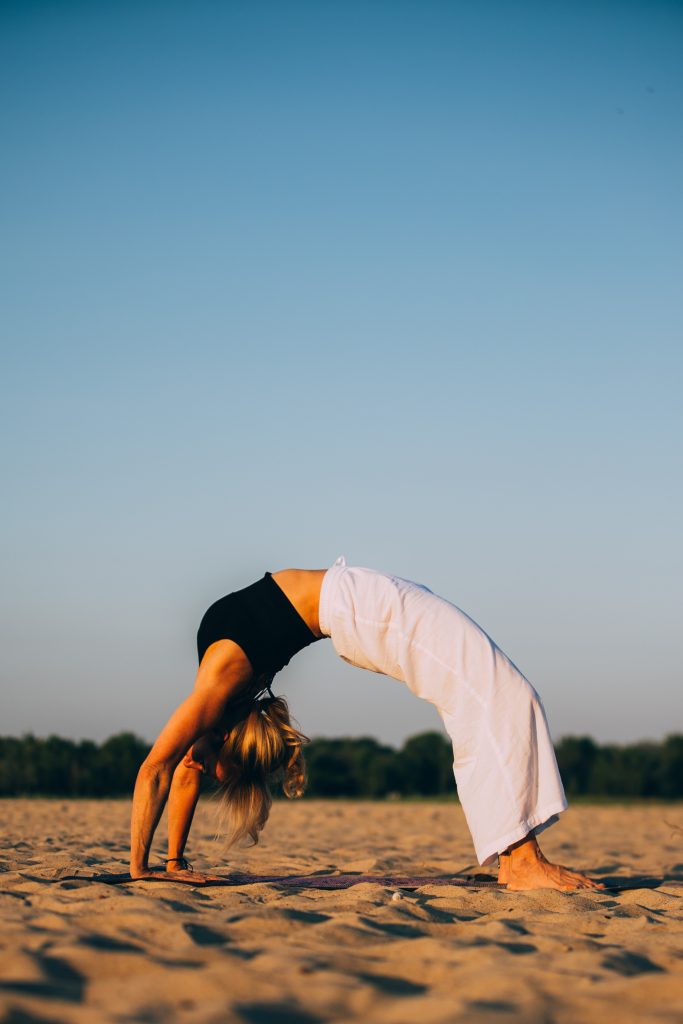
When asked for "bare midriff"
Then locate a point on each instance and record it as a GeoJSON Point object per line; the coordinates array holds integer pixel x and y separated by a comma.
{"type": "Point", "coordinates": [302, 588]}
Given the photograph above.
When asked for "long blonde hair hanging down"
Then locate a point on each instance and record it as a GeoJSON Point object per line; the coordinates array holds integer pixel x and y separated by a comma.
{"type": "Point", "coordinates": [264, 747]}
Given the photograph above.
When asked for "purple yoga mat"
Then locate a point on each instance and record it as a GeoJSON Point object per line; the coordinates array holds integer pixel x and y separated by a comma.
{"type": "Point", "coordinates": [477, 881]}
{"type": "Point", "coordinates": [302, 881]}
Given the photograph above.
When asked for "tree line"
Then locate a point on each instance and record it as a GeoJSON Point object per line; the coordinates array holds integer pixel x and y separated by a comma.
{"type": "Point", "coordinates": [362, 767]}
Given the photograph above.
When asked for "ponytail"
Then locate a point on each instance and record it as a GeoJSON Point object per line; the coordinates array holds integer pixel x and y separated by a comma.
{"type": "Point", "coordinates": [263, 747]}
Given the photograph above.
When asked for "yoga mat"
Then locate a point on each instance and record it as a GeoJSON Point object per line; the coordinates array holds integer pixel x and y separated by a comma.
{"type": "Point", "coordinates": [342, 881]}
{"type": "Point", "coordinates": [295, 881]}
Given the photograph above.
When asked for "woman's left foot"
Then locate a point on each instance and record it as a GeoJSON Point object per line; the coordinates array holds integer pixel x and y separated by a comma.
{"type": "Point", "coordinates": [525, 867]}
{"type": "Point", "coordinates": [545, 875]}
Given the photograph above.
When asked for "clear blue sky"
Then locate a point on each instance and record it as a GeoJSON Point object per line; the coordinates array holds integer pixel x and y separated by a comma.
{"type": "Point", "coordinates": [283, 281]}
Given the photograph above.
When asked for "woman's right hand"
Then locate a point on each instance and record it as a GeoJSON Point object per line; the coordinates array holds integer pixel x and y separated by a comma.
{"type": "Point", "coordinates": [185, 876]}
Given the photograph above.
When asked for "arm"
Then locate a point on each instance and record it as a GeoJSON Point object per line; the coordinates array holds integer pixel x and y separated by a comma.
{"type": "Point", "coordinates": [149, 797]}
{"type": "Point", "coordinates": [182, 801]}
{"type": "Point", "coordinates": [199, 713]}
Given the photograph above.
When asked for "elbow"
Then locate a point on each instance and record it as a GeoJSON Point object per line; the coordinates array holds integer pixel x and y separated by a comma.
{"type": "Point", "coordinates": [185, 777]}
{"type": "Point", "coordinates": [154, 771]}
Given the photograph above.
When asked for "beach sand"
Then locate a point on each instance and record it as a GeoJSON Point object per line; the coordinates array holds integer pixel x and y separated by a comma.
{"type": "Point", "coordinates": [74, 950]}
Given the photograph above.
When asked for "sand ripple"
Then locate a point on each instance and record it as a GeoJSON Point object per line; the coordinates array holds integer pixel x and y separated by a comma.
{"type": "Point", "coordinates": [262, 954]}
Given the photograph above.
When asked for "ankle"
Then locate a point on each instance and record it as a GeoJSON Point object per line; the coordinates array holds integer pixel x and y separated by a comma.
{"type": "Point", "coordinates": [527, 851]}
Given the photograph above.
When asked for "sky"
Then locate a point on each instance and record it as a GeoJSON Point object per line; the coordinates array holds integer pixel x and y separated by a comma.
{"type": "Point", "coordinates": [290, 280]}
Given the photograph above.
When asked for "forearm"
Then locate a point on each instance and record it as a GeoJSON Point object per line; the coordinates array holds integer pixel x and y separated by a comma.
{"type": "Point", "coordinates": [151, 792]}
{"type": "Point", "coordinates": [182, 801]}
{"type": "Point", "coordinates": [198, 714]}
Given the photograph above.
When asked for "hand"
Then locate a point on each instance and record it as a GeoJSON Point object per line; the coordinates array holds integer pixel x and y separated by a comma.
{"type": "Point", "coordinates": [184, 876]}
{"type": "Point", "coordinates": [141, 873]}
{"type": "Point", "coordinates": [192, 877]}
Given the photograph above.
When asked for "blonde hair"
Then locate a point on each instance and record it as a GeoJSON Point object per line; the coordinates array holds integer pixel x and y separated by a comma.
{"type": "Point", "coordinates": [262, 748]}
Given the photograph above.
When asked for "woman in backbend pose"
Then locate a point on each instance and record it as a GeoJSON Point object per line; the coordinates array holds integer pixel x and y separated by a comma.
{"type": "Point", "coordinates": [233, 729]}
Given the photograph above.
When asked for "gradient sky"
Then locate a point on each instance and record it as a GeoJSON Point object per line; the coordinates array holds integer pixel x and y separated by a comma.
{"type": "Point", "coordinates": [288, 280]}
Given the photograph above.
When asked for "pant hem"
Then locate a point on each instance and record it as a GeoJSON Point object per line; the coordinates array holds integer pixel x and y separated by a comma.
{"type": "Point", "coordinates": [548, 816]}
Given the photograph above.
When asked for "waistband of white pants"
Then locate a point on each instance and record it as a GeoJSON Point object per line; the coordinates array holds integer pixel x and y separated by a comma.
{"type": "Point", "coordinates": [326, 592]}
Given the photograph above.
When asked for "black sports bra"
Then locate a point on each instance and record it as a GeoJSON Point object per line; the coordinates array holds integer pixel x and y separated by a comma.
{"type": "Point", "coordinates": [262, 621]}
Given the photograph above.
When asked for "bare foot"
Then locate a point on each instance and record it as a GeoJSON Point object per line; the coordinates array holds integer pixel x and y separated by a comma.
{"type": "Point", "coordinates": [544, 875]}
{"type": "Point", "coordinates": [523, 866]}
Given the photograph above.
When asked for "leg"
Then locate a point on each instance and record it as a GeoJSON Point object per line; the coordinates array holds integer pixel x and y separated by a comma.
{"type": "Point", "coordinates": [523, 866]}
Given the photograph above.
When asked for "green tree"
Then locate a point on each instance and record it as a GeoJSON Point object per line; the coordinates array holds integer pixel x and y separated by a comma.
{"type": "Point", "coordinates": [428, 764]}
{"type": "Point", "coordinates": [671, 767]}
{"type": "Point", "coordinates": [575, 759]}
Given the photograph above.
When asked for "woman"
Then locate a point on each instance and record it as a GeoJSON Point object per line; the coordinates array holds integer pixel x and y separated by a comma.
{"type": "Point", "coordinates": [232, 728]}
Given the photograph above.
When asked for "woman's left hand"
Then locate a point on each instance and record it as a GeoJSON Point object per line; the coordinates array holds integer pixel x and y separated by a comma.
{"type": "Point", "coordinates": [185, 877]}
{"type": "Point", "coordinates": [191, 877]}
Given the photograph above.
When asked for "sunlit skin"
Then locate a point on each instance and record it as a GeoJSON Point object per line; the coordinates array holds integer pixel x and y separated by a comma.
{"type": "Point", "coordinates": [189, 743]}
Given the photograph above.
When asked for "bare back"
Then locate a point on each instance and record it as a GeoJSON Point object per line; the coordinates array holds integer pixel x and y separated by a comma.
{"type": "Point", "coordinates": [302, 588]}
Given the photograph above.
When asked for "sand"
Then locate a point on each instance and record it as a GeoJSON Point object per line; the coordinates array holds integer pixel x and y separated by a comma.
{"type": "Point", "coordinates": [264, 954]}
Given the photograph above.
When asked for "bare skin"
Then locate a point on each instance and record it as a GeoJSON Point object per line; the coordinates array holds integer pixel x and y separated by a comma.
{"type": "Point", "coordinates": [193, 736]}
{"type": "Point", "coordinates": [189, 743]}
{"type": "Point", "coordinates": [523, 866]}
{"type": "Point", "coordinates": [224, 671]}
{"type": "Point", "coordinates": [302, 587]}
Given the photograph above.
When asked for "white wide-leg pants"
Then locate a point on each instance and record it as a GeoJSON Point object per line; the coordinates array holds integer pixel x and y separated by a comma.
{"type": "Point", "coordinates": [504, 763]}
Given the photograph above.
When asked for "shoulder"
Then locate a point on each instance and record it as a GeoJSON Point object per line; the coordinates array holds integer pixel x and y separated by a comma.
{"type": "Point", "coordinates": [224, 662]}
